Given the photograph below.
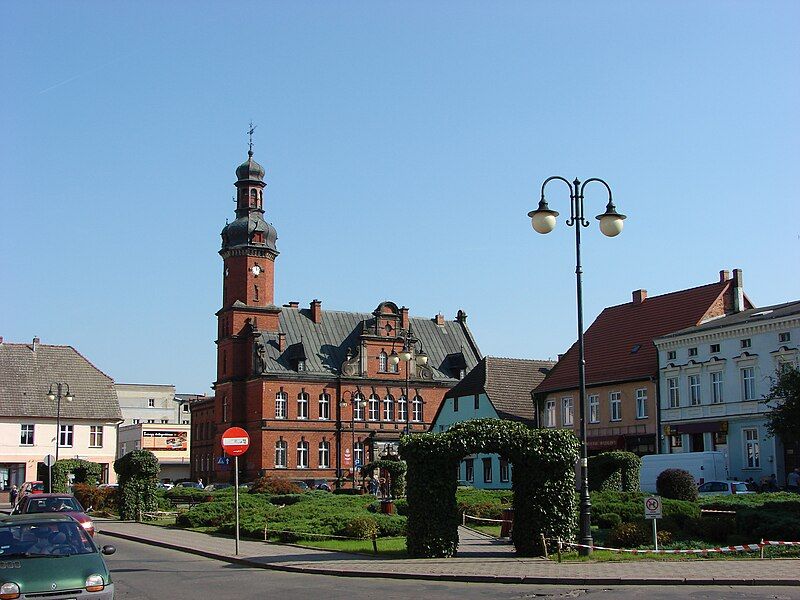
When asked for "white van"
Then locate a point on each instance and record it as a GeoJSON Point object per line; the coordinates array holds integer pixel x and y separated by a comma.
{"type": "Point", "coordinates": [704, 466]}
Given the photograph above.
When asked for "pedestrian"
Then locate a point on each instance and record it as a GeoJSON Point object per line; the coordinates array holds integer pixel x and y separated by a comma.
{"type": "Point", "coordinates": [773, 483]}
{"type": "Point", "coordinates": [793, 481]}
{"type": "Point", "coordinates": [12, 495]}
{"type": "Point", "coordinates": [373, 485]}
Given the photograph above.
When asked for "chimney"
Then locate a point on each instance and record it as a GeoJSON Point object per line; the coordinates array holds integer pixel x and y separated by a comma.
{"type": "Point", "coordinates": [639, 296]}
{"type": "Point", "coordinates": [293, 304]}
{"type": "Point", "coordinates": [1, 339]}
{"type": "Point", "coordinates": [403, 318]}
{"type": "Point", "coordinates": [461, 316]}
{"type": "Point", "coordinates": [36, 342]}
{"type": "Point", "coordinates": [281, 341]}
{"type": "Point", "coordinates": [724, 275]}
{"type": "Point", "coordinates": [316, 311]}
{"type": "Point", "coordinates": [738, 291]}
{"type": "Point", "coordinates": [439, 318]}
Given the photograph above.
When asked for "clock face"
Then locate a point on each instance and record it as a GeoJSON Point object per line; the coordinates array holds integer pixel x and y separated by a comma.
{"type": "Point", "coordinates": [256, 270]}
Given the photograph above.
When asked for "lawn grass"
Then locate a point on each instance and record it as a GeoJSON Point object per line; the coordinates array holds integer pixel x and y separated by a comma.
{"type": "Point", "coordinates": [493, 530]}
{"type": "Point", "coordinates": [394, 547]}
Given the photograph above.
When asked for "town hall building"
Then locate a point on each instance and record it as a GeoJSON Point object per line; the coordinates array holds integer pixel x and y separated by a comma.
{"type": "Point", "coordinates": [319, 392]}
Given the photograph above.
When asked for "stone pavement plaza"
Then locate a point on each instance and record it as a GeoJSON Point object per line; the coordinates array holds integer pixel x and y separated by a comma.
{"type": "Point", "coordinates": [480, 559]}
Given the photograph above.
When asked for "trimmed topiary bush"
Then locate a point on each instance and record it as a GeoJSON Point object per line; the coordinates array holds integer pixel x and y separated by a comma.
{"type": "Point", "coordinates": [608, 520]}
{"type": "Point", "coordinates": [270, 484]}
{"type": "Point", "coordinates": [677, 484]}
{"type": "Point", "coordinates": [543, 483]}
{"type": "Point", "coordinates": [614, 471]}
{"type": "Point", "coordinates": [362, 528]}
{"type": "Point", "coordinates": [137, 472]}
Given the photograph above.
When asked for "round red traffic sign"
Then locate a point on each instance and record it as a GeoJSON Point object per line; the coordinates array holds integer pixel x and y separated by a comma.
{"type": "Point", "coordinates": [235, 441]}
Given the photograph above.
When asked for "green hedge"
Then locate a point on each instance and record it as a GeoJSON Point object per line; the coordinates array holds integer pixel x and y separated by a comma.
{"type": "Point", "coordinates": [543, 482]}
{"type": "Point", "coordinates": [617, 471]}
{"type": "Point", "coordinates": [137, 472]}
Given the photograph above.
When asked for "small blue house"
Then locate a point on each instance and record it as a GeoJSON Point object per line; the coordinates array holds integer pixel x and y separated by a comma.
{"type": "Point", "coordinates": [497, 388]}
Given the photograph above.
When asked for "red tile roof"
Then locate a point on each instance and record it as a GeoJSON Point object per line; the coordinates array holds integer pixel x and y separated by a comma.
{"type": "Point", "coordinates": [610, 341]}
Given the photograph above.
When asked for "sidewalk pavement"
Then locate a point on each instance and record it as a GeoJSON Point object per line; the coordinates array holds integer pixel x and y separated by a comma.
{"type": "Point", "coordinates": [480, 559]}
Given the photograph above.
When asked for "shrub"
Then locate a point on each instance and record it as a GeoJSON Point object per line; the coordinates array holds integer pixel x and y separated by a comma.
{"type": "Point", "coordinates": [390, 525]}
{"type": "Point", "coordinates": [285, 499]}
{"type": "Point", "coordinates": [362, 528]}
{"type": "Point", "coordinates": [98, 499]}
{"type": "Point", "coordinates": [617, 471]}
{"type": "Point", "coordinates": [137, 473]}
{"type": "Point", "coordinates": [182, 494]}
{"type": "Point", "coordinates": [609, 520]}
{"type": "Point", "coordinates": [713, 528]}
{"type": "Point", "coordinates": [628, 535]}
{"type": "Point", "coordinates": [270, 484]}
{"type": "Point", "coordinates": [677, 484]}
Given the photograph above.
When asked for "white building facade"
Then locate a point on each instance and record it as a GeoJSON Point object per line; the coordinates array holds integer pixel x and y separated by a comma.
{"type": "Point", "coordinates": [712, 382]}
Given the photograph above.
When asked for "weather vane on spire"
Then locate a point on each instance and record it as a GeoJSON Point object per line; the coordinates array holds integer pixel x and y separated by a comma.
{"type": "Point", "coordinates": [250, 133]}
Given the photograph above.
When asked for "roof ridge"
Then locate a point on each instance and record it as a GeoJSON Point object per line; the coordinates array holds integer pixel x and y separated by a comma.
{"type": "Point", "coordinates": [521, 359]}
{"type": "Point", "coordinates": [649, 298]}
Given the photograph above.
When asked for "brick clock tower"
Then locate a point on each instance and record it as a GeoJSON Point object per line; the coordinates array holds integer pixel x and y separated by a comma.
{"type": "Point", "coordinates": [316, 390]}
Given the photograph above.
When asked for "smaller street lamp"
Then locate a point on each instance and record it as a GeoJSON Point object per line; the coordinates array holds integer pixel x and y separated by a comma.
{"type": "Point", "coordinates": [355, 401]}
{"type": "Point", "coordinates": [407, 355]}
{"type": "Point", "coordinates": [56, 396]}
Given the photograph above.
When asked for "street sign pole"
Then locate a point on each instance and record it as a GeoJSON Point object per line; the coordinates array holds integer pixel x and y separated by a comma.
{"type": "Point", "coordinates": [236, 493]}
{"type": "Point", "coordinates": [655, 533]}
{"type": "Point", "coordinates": [653, 510]}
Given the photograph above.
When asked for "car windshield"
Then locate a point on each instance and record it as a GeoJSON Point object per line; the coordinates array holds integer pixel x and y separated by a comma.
{"type": "Point", "coordinates": [740, 487]}
{"type": "Point", "coordinates": [37, 487]}
{"type": "Point", "coordinates": [41, 505]}
{"type": "Point", "coordinates": [44, 539]}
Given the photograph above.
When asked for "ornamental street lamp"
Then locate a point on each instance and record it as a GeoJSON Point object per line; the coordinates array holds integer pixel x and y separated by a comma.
{"type": "Point", "coordinates": [57, 396]}
{"type": "Point", "coordinates": [543, 220]}
{"type": "Point", "coordinates": [407, 355]}
{"type": "Point", "coordinates": [356, 401]}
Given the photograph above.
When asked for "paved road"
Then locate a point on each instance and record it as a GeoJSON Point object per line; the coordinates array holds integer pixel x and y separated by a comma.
{"type": "Point", "coordinates": [144, 572]}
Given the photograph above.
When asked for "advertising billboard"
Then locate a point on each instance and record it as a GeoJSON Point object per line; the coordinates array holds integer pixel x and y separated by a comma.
{"type": "Point", "coordinates": [165, 440]}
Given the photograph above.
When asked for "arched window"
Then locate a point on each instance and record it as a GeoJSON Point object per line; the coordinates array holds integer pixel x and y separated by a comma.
{"type": "Point", "coordinates": [358, 407]}
{"type": "Point", "coordinates": [358, 453]}
{"type": "Point", "coordinates": [324, 406]}
{"type": "Point", "coordinates": [302, 405]}
{"type": "Point", "coordinates": [383, 361]}
{"type": "Point", "coordinates": [324, 454]}
{"type": "Point", "coordinates": [374, 407]}
{"type": "Point", "coordinates": [388, 408]}
{"type": "Point", "coordinates": [416, 409]}
{"type": "Point", "coordinates": [402, 409]}
{"type": "Point", "coordinates": [253, 197]}
{"type": "Point", "coordinates": [302, 454]}
{"type": "Point", "coordinates": [280, 454]}
{"type": "Point", "coordinates": [280, 404]}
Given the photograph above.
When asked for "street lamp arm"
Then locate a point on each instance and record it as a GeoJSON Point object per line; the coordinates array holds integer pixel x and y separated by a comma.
{"type": "Point", "coordinates": [591, 179]}
{"type": "Point", "coordinates": [567, 181]}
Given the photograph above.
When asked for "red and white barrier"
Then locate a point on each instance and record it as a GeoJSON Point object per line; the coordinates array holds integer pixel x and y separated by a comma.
{"type": "Point", "coordinates": [743, 548]}
{"type": "Point", "coordinates": [771, 543]}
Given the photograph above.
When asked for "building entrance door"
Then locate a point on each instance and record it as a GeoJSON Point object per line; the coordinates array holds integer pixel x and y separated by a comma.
{"type": "Point", "coordinates": [696, 440]}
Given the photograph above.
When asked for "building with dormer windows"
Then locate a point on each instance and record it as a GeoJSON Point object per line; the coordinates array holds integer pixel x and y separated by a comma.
{"type": "Point", "coordinates": [316, 390]}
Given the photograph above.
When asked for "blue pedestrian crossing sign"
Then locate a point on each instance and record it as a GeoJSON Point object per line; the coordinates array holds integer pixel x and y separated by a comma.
{"type": "Point", "coordinates": [223, 460]}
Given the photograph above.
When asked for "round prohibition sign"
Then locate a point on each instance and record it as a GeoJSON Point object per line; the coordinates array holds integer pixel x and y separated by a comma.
{"type": "Point", "coordinates": [652, 504]}
{"type": "Point", "coordinates": [235, 441]}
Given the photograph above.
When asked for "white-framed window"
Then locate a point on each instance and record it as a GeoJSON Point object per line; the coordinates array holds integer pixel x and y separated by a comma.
{"type": "Point", "coordinates": [567, 412]}
{"type": "Point", "coordinates": [165, 420]}
{"type": "Point", "coordinates": [487, 470]}
{"type": "Point", "coordinates": [388, 408]}
{"type": "Point", "coordinates": [302, 405]}
{"type": "Point", "coordinates": [674, 392]}
{"type": "Point", "coordinates": [748, 383]}
{"type": "Point", "coordinates": [672, 354]}
{"type": "Point", "coordinates": [383, 362]}
{"type": "Point", "coordinates": [694, 390]}
{"type": "Point", "coordinates": [280, 454]}
{"type": "Point", "coordinates": [416, 409]}
{"type": "Point", "coordinates": [136, 421]}
{"type": "Point", "coordinates": [358, 454]}
{"type": "Point", "coordinates": [358, 407]}
{"type": "Point", "coordinates": [716, 387]}
{"type": "Point", "coordinates": [281, 398]}
{"type": "Point", "coordinates": [151, 420]}
{"type": "Point", "coordinates": [550, 413]}
{"type": "Point", "coordinates": [752, 452]}
{"type": "Point", "coordinates": [151, 403]}
{"type": "Point", "coordinates": [185, 422]}
{"type": "Point", "coordinates": [26, 434]}
{"type": "Point", "coordinates": [65, 436]}
{"type": "Point", "coordinates": [302, 454]}
{"type": "Point", "coordinates": [785, 336]}
{"type": "Point", "coordinates": [641, 403]}
{"type": "Point", "coordinates": [225, 409]}
{"type": "Point", "coordinates": [324, 454]}
{"type": "Point", "coordinates": [374, 408]}
{"type": "Point", "coordinates": [714, 348]}
{"type": "Point", "coordinates": [594, 408]}
{"type": "Point", "coordinates": [95, 436]}
{"type": "Point", "coordinates": [185, 407]}
{"type": "Point", "coordinates": [746, 343]}
{"type": "Point", "coordinates": [402, 409]}
{"type": "Point", "coordinates": [324, 406]}
{"type": "Point", "coordinates": [615, 403]}
{"type": "Point", "coordinates": [505, 472]}
{"type": "Point", "coordinates": [469, 469]}
{"type": "Point", "coordinates": [692, 351]}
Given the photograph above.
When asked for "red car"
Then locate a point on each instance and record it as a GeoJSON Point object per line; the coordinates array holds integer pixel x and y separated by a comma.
{"type": "Point", "coordinates": [30, 487]}
{"type": "Point", "coordinates": [51, 503]}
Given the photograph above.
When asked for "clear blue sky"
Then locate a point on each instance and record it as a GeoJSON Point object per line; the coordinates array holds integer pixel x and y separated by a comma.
{"type": "Point", "coordinates": [404, 144]}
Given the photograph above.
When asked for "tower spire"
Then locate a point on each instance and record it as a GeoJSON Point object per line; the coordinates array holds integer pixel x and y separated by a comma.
{"type": "Point", "coordinates": [250, 133]}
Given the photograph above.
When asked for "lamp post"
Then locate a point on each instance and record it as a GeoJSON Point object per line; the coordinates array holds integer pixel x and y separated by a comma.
{"type": "Point", "coordinates": [56, 396]}
{"type": "Point", "coordinates": [355, 401]}
{"type": "Point", "coordinates": [543, 220]}
{"type": "Point", "coordinates": [406, 355]}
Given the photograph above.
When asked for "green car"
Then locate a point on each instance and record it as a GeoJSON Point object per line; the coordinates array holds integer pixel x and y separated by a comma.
{"type": "Point", "coordinates": [51, 556]}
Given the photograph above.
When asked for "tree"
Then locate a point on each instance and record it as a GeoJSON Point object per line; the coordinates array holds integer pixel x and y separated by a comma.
{"type": "Point", "coordinates": [784, 397]}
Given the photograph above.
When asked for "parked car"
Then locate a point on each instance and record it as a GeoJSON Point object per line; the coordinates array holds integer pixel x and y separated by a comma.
{"type": "Point", "coordinates": [163, 485]}
{"type": "Point", "coordinates": [190, 484]}
{"type": "Point", "coordinates": [50, 503]}
{"type": "Point", "coordinates": [323, 486]}
{"type": "Point", "coordinates": [703, 466]}
{"type": "Point", "coordinates": [723, 488]}
{"type": "Point", "coordinates": [103, 486]}
{"type": "Point", "coordinates": [45, 552]}
{"type": "Point", "coordinates": [30, 487]}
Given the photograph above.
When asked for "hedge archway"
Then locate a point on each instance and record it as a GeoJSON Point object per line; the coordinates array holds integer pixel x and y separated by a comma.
{"type": "Point", "coordinates": [397, 473]}
{"type": "Point", "coordinates": [83, 471]}
{"type": "Point", "coordinates": [543, 481]}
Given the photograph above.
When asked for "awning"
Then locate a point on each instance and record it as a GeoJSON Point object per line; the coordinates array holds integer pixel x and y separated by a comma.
{"type": "Point", "coordinates": [701, 427]}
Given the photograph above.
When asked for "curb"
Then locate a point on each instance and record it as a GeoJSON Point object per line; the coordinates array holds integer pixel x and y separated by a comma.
{"type": "Point", "coordinates": [506, 579]}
